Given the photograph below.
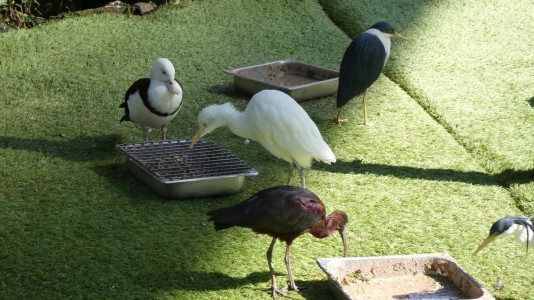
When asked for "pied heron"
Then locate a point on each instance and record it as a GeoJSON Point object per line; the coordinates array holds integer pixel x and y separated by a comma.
{"type": "Point", "coordinates": [520, 228]}
{"type": "Point", "coordinates": [277, 122]}
{"type": "Point", "coordinates": [362, 63]}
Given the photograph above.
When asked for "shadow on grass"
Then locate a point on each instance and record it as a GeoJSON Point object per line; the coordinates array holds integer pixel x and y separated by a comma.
{"type": "Point", "coordinates": [200, 281]}
{"type": "Point", "coordinates": [531, 101]}
{"type": "Point", "coordinates": [505, 178]}
{"type": "Point", "coordinates": [215, 281]}
{"type": "Point", "coordinates": [229, 91]}
{"type": "Point", "coordinates": [81, 148]}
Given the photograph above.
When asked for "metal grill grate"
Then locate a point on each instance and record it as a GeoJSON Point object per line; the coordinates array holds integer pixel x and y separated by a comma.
{"type": "Point", "coordinates": [173, 160]}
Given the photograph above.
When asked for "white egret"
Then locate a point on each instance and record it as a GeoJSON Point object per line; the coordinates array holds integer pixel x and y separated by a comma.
{"type": "Point", "coordinates": [277, 122]}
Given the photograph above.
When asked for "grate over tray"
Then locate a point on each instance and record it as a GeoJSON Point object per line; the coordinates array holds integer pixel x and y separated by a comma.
{"type": "Point", "coordinates": [173, 161]}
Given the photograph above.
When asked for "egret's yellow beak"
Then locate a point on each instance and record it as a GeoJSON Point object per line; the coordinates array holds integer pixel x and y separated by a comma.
{"type": "Point", "coordinates": [197, 137]}
{"type": "Point", "coordinates": [400, 36]}
{"type": "Point", "coordinates": [488, 240]}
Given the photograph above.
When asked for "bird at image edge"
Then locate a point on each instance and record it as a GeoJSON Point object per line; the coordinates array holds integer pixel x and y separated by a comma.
{"type": "Point", "coordinates": [153, 102]}
{"type": "Point", "coordinates": [520, 228]}
{"type": "Point", "coordinates": [285, 213]}
{"type": "Point", "coordinates": [277, 122]}
{"type": "Point", "coordinates": [362, 63]}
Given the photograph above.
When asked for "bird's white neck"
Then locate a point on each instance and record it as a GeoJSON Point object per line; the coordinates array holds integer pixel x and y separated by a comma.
{"type": "Point", "coordinates": [521, 234]}
{"type": "Point", "coordinates": [384, 38]}
{"type": "Point", "coordinates": [235, 120]}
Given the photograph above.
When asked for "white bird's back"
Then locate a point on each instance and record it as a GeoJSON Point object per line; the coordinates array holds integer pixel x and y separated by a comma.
{"type": "Point", "coordinates": [282, 126]}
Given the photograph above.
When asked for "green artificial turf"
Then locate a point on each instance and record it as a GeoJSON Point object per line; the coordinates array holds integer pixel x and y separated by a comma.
{"type": "Point", "coordinates": [469, 65]}
{"type": "Point", "coordinates": [74, 223]}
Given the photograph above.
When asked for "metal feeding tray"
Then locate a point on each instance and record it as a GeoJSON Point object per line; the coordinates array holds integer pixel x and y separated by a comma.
{"type": "Point", "coordinates": [419, 276]}
{"type": "Point", "coordinates": [172, 170]}
{"type": "Point", "coordinates": [299, 80]}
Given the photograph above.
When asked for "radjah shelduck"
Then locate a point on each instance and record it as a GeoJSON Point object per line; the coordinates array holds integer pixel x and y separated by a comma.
{"type": "Point", "coordinates": [153, 102]}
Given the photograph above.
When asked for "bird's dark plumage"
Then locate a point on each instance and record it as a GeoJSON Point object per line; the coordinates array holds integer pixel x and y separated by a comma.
{"type": "Point", "coordinates": [283, 212]}
{"type": "Point", "coordinates": [141, 86]}
{"type": "Point", "coordinates": [521, 228]}
{"type": "Point", "coordinates": [504, 224]}
{"type": "Point", "coordinates": [361, 65]}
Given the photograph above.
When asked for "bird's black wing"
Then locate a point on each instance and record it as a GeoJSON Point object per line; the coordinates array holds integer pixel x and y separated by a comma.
{"type": "Point", "coordinates": [524, 221]}
{"type": "Point", "coordinates": [527, 223]}
{"type": "Point", "coordinates": [141, 86]}
{"type": "Point", "coordinates": [276, 210]}
{"type": "Point", "coordinates": [361, 65]}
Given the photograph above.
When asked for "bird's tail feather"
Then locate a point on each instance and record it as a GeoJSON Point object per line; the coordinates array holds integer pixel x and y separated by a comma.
{"type": "Point", "coordinates": [244, 214]}
{"type": "Point", "coordinates": [222, 218]}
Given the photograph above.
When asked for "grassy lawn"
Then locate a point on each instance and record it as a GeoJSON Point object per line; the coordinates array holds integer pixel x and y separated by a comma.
{"type": "Point", "coordinates": [446, 156]}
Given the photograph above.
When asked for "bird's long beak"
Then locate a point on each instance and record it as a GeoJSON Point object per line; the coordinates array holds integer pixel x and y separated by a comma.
{"type": "Point", "coordinates": [197, 137]}
{"type": "Point", "coordinates": [173, 87]}
{"type": "Point", "coordinates": [488, 240]}
{"type": "Point", "coordinates": [400, 36]}
{"type": "Point", "coordinates": [345, 242]}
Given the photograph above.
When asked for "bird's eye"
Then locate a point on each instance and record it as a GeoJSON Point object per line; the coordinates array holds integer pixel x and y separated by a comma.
{"type": "Point", "coordinates": [164, 73]}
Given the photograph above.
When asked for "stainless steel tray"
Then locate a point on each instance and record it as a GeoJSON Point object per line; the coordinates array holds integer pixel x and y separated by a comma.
{"type": "Point", "coordinates": [299, 80]}
{"type": "Point", "coordinates": [418, 276]}
{"type": "Point", "coordinates": [172, 170]}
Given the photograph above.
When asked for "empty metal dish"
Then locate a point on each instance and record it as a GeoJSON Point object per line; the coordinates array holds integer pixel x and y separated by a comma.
{"type": "Point", "coordinates": [172, 170]}
{"type": "Point", "coordinates": [418, 276]}
{"type": "Point", "coordinates": [299, 80]}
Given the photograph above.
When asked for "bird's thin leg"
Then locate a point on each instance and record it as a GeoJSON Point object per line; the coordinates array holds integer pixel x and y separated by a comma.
{"type": "Point", "coordinates": [274, 289]}
{"type": "Point", "coordinates": [145, 134]}
{"type": "Point", "coordinates": [365, 109]}
{"type": "Point", "coordinates": [288, 266]}
{"type": "Point", "coordinates": [301, 172]}
{"type": "Point", "coordinates": [164, 132]}
{"type": "Point", "coordinates": [337, 119]}
{"type": "Point", "coordinates": [291, 167]}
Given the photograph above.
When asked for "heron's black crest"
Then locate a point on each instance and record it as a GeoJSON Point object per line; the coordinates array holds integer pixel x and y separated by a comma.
{"type": "Point", "coordinates": [504, 224]}
{"type": "Point", "coordinates": [384, 27]}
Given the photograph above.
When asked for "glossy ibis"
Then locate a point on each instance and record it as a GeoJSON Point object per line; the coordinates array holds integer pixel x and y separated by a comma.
{"type": "Point", "coordinates": [155, 101]}
{"type": "Point", "coordinates": [285, 213]}
{"type": "Point", "coordinates": [520, 228]}
{"type": "Point", "coordinates": [362, 63]}
{"type": "Point", "coordinates": [277, 122]}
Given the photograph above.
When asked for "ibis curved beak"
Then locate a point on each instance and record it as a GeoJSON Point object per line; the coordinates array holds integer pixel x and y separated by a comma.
{"type": "Point", "coordinates": [173, 87]}
{"type": "Point", "coordinates": [488, 240]}
{"type": "Point", "coordinates": [197, 136]}
{"type": "Point", "coordinates": [345, 242]}
{"type": "Point", "coordinates": [400, 36]}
